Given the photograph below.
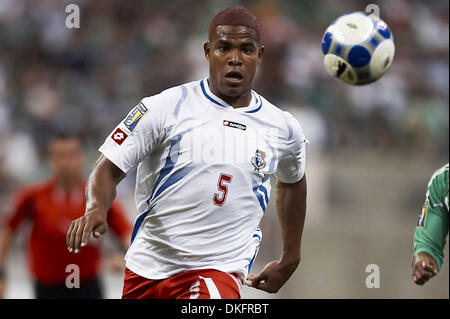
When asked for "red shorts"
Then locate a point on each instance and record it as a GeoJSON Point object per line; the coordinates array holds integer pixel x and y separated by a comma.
{"type": "Point", "coordinates": [194, 284]}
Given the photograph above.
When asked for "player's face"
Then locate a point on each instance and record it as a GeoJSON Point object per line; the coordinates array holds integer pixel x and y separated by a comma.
{"type": "Point", "coordinates": [66, 159]}
{"type": "Point", "coordinates": [233, 56]}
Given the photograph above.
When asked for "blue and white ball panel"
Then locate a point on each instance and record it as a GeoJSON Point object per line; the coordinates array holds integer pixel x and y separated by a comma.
{"type": "Point", "coordinates": [355, 39]}
{"type": "Point", "coordinates": [352, 28]}
{"type": "Point", "coordinates": [326, 42]}
{"type": "Point", "coordinates": [338, 67]}
{"type": "Point", "coordinates": [382, 58]}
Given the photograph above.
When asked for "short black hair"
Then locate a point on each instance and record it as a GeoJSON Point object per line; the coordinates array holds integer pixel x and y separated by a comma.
{"type": "Point", "coordinates": [66, 135]}
{"type": "Point", "coordinates": [235, 16]}
{"type": "Point", "coordinates": [63, 135]}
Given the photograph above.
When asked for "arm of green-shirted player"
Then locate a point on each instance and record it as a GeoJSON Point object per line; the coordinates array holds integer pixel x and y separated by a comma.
{"type": "Point", "coordinates": [291, 209]}
{"type": "Point", "coordinates": [429, 243]}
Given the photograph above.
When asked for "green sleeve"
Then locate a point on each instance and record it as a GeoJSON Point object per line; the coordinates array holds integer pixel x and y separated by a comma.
{"type": "Point", "coordinates": [432, 227]}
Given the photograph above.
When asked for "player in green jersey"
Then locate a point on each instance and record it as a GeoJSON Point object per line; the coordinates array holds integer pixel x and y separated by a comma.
{"type": "Point", "coordinates": [432, 229]}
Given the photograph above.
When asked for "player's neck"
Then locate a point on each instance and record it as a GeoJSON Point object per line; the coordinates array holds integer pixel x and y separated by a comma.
{"type": "Point", "coordinates": [242, 100]}
{"type": "Point", "coordinates": [68, 185]}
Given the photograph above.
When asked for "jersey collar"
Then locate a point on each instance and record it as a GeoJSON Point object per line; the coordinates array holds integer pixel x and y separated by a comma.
{"type": "Point", "coordinates": [254, 106]}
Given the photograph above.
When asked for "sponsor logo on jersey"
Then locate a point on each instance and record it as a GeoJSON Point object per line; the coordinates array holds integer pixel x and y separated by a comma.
{"type": "Point", "coordinates": [234, 125]}
{"type": "Point", "coordinates": [119, 136]}
{"type": "Point", "coordinates": [135, 116]}
{"type": "Point", "coordinates": [259, 160]}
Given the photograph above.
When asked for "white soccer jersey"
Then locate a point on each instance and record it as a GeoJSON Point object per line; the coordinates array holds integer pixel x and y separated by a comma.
{"type": "Point", "coordinates": [203, 177]}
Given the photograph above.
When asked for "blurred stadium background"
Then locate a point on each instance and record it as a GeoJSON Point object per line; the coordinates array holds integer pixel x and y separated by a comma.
{"type": "Point", "coordinates": [372, 151]}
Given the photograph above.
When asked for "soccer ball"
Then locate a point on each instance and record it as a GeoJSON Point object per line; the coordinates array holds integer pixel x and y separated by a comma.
{"type": "Point", "coordinates": [358, 48]}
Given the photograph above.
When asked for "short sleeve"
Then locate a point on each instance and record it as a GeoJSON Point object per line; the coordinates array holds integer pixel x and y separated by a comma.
{"type": "Point", "coordinates": [137, 135]}
{"type": "Point", "coordinates": [23, 208]}
{"type": "Point", "coordinates": [291, 164]}
{"type": "Point", "coordinates": [432, 226]}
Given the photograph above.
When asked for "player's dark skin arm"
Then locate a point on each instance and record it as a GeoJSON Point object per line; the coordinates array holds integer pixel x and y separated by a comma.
{"type": "Point", "coordinates": [6, 238]}
{"type": "Point", "coordinates": [100, 193]}
{"type": "Point", "coordinates": [291, 209]}
{"type": "Point", "coordinates": [424, 267]}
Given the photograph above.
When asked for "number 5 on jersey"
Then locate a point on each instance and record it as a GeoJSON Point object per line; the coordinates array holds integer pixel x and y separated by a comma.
{"type": "Point", "coordinates": [219, 199]}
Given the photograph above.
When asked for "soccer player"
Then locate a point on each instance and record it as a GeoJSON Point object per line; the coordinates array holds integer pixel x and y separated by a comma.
{"type": "Point", "coordinates": [432, 229]}
{"type": "Point", "coordinates": [51, 206]}
{"type": "Point", "coordinates": [204, 153]}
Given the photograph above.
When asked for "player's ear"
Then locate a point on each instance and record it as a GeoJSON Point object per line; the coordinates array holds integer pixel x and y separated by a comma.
{"type": "Point", "coordinates": [207, 49]}
{"type": "Point", "coordinates": [260, 54]}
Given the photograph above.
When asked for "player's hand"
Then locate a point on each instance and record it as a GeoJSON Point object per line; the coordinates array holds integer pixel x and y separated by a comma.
{"type": "Point", "coordinates": [273, 276]}
{"type": "Point", "coordinates": [424, 268]}
{"type": "Point", "coordinates": [80, 229]}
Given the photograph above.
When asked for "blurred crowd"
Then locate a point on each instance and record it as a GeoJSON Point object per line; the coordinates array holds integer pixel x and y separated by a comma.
{"type": "Point", "coordinates": [87, 79]}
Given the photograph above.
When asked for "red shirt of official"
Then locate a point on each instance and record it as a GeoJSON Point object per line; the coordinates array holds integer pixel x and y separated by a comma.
{"type": "Point", "coordinates": [51, 212]}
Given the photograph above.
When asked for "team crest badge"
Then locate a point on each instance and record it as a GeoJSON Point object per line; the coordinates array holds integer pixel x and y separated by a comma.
{"type": "Point", "coordinates": [135, 116]}
{"type": "Point", "coordinates": [259, 160]}
{"type": "Point", "coordinates": [423, 215]}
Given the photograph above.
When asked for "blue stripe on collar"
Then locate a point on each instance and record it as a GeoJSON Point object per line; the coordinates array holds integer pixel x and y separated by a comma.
{"type": "Point", "coordinates": [258, 108]}
{"type": "Point", "coordinates": [220, 104]}
{"type": "Point", "coordinates": [207, 96]}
